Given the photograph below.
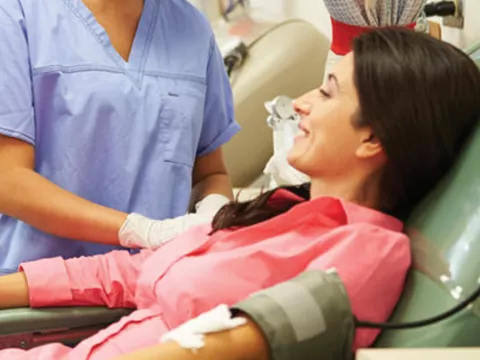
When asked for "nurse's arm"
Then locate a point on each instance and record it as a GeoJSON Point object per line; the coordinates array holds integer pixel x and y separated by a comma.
{"type": "Point", "coordinates": [26, 195]}
{"type": "Point", "coordinates": [210, 176]}
{"type": "Point", "coordinates": [243, 343]}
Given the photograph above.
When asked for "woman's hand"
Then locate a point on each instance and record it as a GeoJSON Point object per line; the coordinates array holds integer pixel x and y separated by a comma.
{"type": "Point", "coordinates": [14, 291]}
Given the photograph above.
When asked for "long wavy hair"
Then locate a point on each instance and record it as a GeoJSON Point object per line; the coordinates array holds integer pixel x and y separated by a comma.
{"type": "Point", "coordinates": [420, 96]}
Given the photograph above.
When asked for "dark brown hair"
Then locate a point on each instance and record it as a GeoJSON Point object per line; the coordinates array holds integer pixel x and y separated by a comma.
{"type": "Point", "coordinates": [420, 96]}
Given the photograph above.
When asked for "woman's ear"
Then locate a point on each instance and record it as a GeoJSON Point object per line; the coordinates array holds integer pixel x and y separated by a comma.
{"type": "Point", "coordinates": [369, 145]}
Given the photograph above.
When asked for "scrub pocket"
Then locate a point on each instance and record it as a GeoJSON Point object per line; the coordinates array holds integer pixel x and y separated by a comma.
{"type": "Point", "coordinates": [181, 119]}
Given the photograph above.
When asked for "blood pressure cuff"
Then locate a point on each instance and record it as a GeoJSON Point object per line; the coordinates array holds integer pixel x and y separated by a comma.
{"type": "Point", "coordinates": [308, 317]}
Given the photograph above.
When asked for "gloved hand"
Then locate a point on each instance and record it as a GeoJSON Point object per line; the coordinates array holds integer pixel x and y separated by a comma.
{"type": "Point", "coordinates": [191, 334]}
{"type": "Point", "coordinates": [141, 232]}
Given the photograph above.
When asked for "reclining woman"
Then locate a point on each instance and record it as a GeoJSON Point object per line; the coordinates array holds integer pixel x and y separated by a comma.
{"type": "Point", "coordinates": [376, 137]}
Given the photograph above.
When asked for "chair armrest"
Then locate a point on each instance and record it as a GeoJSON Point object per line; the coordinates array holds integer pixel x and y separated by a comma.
{"type": "Point", "coordinates": [27, 320]}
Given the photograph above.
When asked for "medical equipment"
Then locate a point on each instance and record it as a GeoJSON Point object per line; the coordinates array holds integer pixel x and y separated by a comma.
{"type": "Point", "coordinates": [337, 335]}
{"type": "Point", "coordinates": [281, 110]}
{"type": "Point", "coordinates": [284, 121]}
{"type": "Point", "coordinates": [470, 300]}
{"type": "Point", "coordinates": [234, 57]}
{"type": "Point", "coordinates": [441, 8]}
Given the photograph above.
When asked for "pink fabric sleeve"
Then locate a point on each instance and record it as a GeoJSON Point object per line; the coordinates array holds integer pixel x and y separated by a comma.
{"type": "Point", "coordinates": [372, 263]}
{"type": "Point", "coordinates": [105, 280]}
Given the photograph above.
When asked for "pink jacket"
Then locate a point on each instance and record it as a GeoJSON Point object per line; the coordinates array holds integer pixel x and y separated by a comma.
{"type": "Point", "coordinates": [196, 272]}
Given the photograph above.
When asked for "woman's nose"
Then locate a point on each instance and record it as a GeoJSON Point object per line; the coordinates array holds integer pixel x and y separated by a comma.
{"type": "Point", "coordinates": [301, 106]}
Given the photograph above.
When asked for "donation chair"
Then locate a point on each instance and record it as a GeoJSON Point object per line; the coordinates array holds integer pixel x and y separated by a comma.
{"type": "Point", "coordinates": [445, 232]}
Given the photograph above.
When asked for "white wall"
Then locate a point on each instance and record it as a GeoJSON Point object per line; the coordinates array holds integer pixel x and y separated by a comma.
{"type": "Point", "coordinates": [269, 10]}
{"type": "Point", "coordinates": [315, 12]}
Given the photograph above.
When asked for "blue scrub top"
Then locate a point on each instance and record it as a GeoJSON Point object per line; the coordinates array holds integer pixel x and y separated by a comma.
{"type": "Point", "coordinates": [121, 134]}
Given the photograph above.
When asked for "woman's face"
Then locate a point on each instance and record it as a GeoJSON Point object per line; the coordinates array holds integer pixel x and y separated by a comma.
{"type": "Point", "coordinates": [328, 144]}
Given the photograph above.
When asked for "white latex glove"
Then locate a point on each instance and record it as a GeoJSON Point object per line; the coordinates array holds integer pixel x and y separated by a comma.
{"type": "Point", "coordinates": [191, 334]}
{"type": "Point", "coordinates": [139, 231]}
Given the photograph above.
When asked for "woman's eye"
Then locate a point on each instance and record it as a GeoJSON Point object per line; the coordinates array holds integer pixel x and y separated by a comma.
{"type": "Point", "coordinates": [324, 93]}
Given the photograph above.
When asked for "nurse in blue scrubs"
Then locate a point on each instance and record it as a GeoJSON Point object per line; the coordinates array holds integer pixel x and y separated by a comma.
{"type": "Point", "coordinates": [107, 108]}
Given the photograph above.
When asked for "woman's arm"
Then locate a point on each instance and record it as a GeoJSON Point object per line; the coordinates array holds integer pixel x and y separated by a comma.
{"type": "Point", "coordinates": [26, 195]}
{"type": "Point", "coordinates": [243, 343]}
{"type": "Point", "coordinates": [106, 280]}
{"type": "Point", "coordinates": [13, 291]}
{"type": "Point", "coordinates": [308, 317]}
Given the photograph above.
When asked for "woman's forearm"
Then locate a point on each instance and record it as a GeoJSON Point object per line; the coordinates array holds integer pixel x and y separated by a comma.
{"type": "Point", "coordinates": [28, 196]}
{"type": "Point", "coordinates": [243, 343]}
{"type": "Point", "coordinates": [13, 291]}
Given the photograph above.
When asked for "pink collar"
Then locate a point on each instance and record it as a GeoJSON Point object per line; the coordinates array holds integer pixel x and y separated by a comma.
{"type": "Point", "coordinates": [343, 211]}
